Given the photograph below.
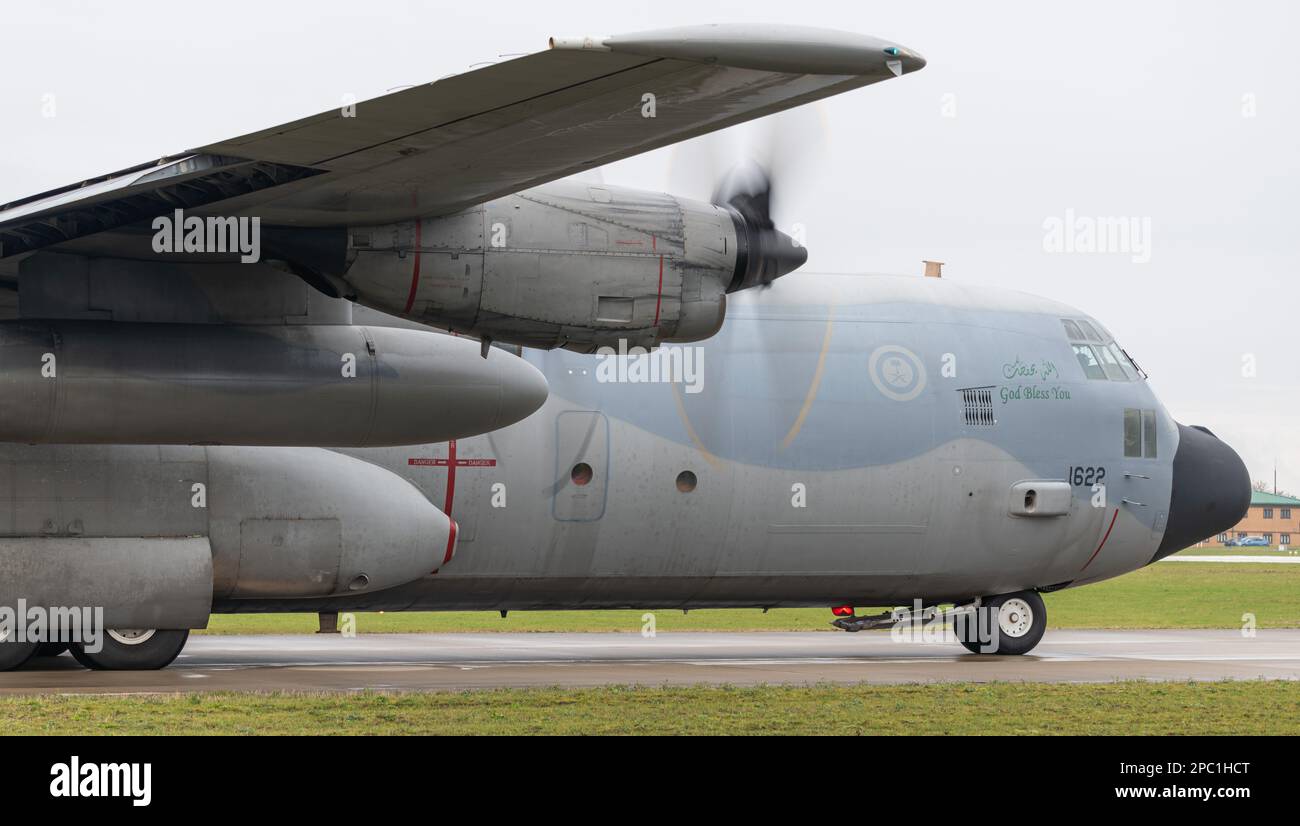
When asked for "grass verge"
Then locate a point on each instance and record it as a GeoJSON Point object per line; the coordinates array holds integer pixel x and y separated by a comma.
{"type": "Point", "coordinates": [955, 708]}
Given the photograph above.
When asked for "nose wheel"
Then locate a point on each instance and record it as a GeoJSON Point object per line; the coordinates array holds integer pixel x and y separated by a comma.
{"type": "Point", "coordinates": [1004, 624]}
{"type": "Point", "coordinates": [133, 649]}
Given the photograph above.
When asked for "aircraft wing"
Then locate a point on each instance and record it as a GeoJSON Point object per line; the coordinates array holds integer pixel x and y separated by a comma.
{"type": "Point", "coordinates": [462, 140]}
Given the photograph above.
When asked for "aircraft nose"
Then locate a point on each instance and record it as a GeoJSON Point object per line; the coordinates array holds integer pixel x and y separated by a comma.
{"type": "Point", "coordinates": [1211, 490]}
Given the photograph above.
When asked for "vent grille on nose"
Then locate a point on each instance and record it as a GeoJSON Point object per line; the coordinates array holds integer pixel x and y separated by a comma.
{"type": "Point", "coordinates": [977, 406]}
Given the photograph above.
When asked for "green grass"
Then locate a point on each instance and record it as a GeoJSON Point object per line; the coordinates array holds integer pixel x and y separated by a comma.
{"type": "Point", "coordinates": [1184, 595]}
{"type": "Point", "coordinates": [1166, 595]}
{"type": "Point", "coordinates": [956, 708]}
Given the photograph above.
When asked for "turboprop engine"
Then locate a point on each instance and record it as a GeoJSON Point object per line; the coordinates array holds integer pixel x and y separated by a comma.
{"type": "Point", "coordinates": [573, 265]}
{"type": "Point", "coordinates": [218, 522]}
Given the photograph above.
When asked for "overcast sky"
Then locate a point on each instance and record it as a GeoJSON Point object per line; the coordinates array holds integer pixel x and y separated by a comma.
{"type": "Point", "coordinates": [1183, 114]}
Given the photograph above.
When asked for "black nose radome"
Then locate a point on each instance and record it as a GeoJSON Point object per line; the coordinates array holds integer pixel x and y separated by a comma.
{"type": "Point", "coordinates": [1211, 490]}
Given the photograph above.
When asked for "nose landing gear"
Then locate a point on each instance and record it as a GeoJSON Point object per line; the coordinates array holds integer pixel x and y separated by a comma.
{"type": "Point", "coordinates": [1004, 624]}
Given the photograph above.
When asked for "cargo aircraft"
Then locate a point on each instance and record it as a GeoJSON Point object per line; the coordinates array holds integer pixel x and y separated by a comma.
{"type": "Point", "coordinates": [384, 358]}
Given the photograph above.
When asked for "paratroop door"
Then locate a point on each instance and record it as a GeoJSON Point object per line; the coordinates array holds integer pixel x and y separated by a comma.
{"type": "Point", "coordinates": [581, 466]}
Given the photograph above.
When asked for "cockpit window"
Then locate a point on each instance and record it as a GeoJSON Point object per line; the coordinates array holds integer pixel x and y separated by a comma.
{"type": "Point", "coordinates": [1140, 433]}
{"type": "Point", "coordinates": [1098, 354]}
{"type": "Point", "coordinates": [1149, 434]}
{"type": "Point", "coordinates": [1110, 364]}
{"type": "Point", "coordinates": [1130, 370]}
{"type": "Point", "coordinates": [1089, 330]}
{"type": "Point", "coordinates": [1132, 432]}
{"type": "Point", "coordinates": [1088, 361]}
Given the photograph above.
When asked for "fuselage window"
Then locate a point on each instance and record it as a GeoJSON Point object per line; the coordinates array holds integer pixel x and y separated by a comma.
{"type": "Point", "coordinates": [1139, 433]}
{"type": "Point", "coordinates": [1088, 361]}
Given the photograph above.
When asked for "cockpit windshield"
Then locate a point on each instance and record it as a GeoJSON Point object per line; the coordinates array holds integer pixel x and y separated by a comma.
{"type": "Point", "coordinates": [1098, 354]}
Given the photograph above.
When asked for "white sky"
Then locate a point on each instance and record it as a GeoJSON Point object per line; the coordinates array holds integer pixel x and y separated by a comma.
{"type": "Point", "coordinates": [1106, 108]}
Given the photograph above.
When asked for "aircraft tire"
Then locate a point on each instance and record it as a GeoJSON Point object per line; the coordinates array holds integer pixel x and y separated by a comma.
{"type": "Point", "coordinates": [16, 654]}
{"type": "Point", "coordinates": [133, 650]}
{"type": "Point", "coordinates": [1020, 618]}
{"type": "Point", "coordinates": [50, 649]}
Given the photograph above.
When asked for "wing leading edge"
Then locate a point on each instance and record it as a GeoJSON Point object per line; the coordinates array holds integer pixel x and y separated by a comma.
{"type": "Point", "coordinates": [441, 147]}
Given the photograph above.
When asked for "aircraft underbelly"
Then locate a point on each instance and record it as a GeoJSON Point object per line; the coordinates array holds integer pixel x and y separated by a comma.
{"type": "Point", "coordinates": [869, 521]}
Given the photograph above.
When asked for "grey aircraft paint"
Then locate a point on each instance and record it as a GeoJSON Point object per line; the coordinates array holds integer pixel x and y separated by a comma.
{"type": "Point", "coordinates": [944, 440]}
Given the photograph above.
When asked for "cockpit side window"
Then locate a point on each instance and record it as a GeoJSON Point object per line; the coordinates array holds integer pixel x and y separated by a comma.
{"type": "Point", "coordinates": [1140, 433]}
{"type": "Point", "coordinates": [1149, 434]}
{"type": "Point", "coordinates": [1132, 432]}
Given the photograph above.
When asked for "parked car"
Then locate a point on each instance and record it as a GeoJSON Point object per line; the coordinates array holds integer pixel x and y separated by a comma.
{"type": "Point", "coordinates": [1252, 542]}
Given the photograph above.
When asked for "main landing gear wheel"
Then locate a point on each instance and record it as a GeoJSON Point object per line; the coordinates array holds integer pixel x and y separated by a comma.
{"type": "Point", "coordinates": [15, 654]}
{"type": "Point", "coordinates": [133, 649]}
{"type": "Point", "coordinates": [1005, 624]}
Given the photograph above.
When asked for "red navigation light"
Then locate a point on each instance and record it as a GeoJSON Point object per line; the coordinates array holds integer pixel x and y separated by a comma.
{"type": "Point", "coordinates": [842, 610]}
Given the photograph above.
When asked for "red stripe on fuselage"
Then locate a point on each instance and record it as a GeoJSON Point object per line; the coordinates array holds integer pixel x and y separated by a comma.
{"type": "Point", "coordinates": [1103, 542]}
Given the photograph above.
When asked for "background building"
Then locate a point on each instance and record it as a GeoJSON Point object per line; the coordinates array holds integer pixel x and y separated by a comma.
{"type": "Point", "coordinates": [1272, 516]}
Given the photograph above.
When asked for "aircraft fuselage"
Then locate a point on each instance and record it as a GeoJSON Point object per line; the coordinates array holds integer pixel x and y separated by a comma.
{"type": "Point", "coordinates": [862, 440]}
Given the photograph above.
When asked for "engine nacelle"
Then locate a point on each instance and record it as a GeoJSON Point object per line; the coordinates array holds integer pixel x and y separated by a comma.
{"type": "Point", "coordinates": [565, 265]}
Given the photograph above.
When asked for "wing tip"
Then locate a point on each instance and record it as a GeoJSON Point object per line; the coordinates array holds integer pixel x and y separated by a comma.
{"type": "Point", "coordinates": [773, 48]}
{"type": "Point", "coordinates": [588, 43]}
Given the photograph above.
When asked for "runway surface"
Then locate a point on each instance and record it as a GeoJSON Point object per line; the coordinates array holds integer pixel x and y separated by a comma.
{"type": "Point", "coordinates": [423, 662]}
